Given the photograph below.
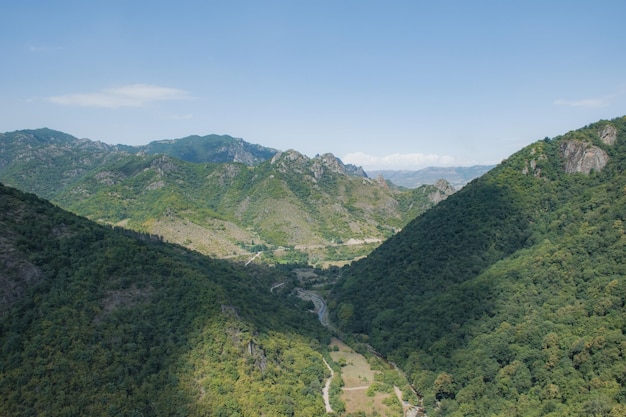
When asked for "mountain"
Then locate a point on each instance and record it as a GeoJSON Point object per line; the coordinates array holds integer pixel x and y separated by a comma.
{"type": "Point", "coordinates": [456, 176]}
{"type": "Point", "coordinates": [100, 321]}
{"type": "Point", "coordinates": [290, 206]}
{"type": "Point", "coordinates": [509, 297]}
{"type": "Point", "coordinates": [211, 148]}
{"type": "Point", "coordinates": [45, 161]}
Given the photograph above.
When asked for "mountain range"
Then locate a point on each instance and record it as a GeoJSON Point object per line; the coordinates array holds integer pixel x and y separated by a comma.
{"type": "Point", "coordinates": [507, 298]}
{"type": "Point", "coordinates": [456, 176]}
{"type": "Point", "coordinates": [217, 194]}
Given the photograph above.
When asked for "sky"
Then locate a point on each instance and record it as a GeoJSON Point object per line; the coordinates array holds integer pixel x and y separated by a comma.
{"type": "Point", "coordinates": [381, 84]}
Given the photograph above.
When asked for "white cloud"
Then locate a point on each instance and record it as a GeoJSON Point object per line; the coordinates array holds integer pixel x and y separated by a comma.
{"type": "Point", "coordinates": [133, 95]}
{"type": "Point", "coordinates": [398, 161]}
{"type": "Point", "coordinates": [587, 102]}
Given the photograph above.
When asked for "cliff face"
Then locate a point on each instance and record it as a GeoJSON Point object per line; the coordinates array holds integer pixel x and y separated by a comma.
{"type": "Point", "coordinates": [581, 156]}
{"type": "Point", "coordinates": [608, 134]}
{"type": "Point", "coordinates": [294, 161]}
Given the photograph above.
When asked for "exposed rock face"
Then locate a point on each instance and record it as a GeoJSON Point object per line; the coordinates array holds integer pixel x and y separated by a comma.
{"type": "Point", "coordinates": [583, 157]}
{"type": "Point", "coordinates": [240, 151]}
{"type": "Point", "coordinates": [290, 160]}
{"type": "Point", "coordinates": [296, 162]}
{"type": "Point", "coordinates": [327, 162]}
{"type": "Point", "coordinates": [608, 134]}
{"type": "Point", "coordinates": [355, 171]}
{"type": "Point", "coordinates": [444, 190]}
{"type": "Point", "coordinates": [163, 165]}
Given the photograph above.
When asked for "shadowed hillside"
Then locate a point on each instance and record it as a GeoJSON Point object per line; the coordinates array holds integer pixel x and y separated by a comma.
{"type": "Point", "coordinates": [100, 322]}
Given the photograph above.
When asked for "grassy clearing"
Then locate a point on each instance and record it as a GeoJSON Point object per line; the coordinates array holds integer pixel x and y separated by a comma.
{"type": "Point", "coordinates": [358, 377]}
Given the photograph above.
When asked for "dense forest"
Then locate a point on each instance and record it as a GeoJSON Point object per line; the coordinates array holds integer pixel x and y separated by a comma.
{"type": "Point", "coordinates": [509, 297]}
{"type": "Point", "coordinates": [102, 321]}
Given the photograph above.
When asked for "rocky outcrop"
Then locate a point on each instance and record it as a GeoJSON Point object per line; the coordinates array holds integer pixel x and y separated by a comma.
{"type": "Point", "coordinates": [290, 160]}
{"type": "Point", "coordinates": [163, 165]}
{"type": "Point", "coordinates": [444, 190]}
{"type": "Point", "coordinates": [294, 161]}
{"type": "Point", "coordinates": [583, 157]}
{"type": "Point", "coordinates": [444, 186]}
{"type": "Point", "coordinates": [608, 134]}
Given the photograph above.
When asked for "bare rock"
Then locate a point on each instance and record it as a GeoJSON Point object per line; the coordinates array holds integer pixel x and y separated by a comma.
{"type": "Point", "coordinates": [583, 157]}
{"type": "Point", "coordinates": [444, 190]}
{"type": "Point", "coordinates": [608, 134]}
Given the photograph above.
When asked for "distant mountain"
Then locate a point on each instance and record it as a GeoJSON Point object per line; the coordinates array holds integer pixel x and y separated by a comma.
{"type": "Point", "coordinates": [211, 148]}
{"type": "Point", "coordinates": [44, 161]}
{"type": "Point", "coordinates": [509, 297]}
{"type": "Point", "coordinates": [232, 209]}
{"type": "Point", "coordinates": [102, 322]}
{"type": "Point", "coordinates": [457, 176]}
{"type": "Point", "coordinates": [290, 201]}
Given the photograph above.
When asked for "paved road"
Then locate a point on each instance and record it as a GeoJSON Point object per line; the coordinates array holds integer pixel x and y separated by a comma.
{"type": "Point", "coordinates": [320, 305]}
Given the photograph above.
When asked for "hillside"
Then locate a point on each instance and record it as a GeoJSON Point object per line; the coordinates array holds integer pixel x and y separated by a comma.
{"type": "Point", "coordinates": [509, 297]}
{"type": "Point", "coordinates": [292, 207]}
{"type": "Point", "coordinates": [99, 322]}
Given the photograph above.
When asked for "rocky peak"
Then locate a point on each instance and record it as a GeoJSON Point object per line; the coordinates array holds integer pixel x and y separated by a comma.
{"type": "Point", "coordinates": [290, 161]}
{"type": "Point", "coordinates": [444, 186]}
{"type": "Point", "coordinates": [444, 190]}
{"type": "Point", "coordinates": [327, 162]}
{"type": "Point", "coordinates": [332, 162]}
{"type": "Point", "coordinates": [294, 161]}
{"type": "Point", "coordinates": [290, 155]}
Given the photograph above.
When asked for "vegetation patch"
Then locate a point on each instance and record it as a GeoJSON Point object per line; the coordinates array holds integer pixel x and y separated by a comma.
{"type": "Point", "coordinates": [360, 392]}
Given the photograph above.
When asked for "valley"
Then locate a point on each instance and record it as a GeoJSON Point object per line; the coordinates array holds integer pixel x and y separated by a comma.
{"type": "Point", "coordinates": [369, 384]}
{"type": "Point", "coordinates": [325, 290]}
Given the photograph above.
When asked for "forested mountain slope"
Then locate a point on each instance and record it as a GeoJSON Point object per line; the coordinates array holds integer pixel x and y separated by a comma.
{"type": "Point", "coordinates": [100, 322]}
{"type": "Point", "coordinates": [45, 161]}
{"type": "Point", "coordinates": [509, 297]}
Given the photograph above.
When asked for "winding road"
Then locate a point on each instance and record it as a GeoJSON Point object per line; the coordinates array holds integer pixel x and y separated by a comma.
{"type": "Point", "coordinates": [321, 310]}
{"type": "Point", "coordinates": [320, 305]}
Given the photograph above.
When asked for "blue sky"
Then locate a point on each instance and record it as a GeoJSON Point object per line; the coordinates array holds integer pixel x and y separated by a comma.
{"type": "Point", "coordinates": [383, 84]}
